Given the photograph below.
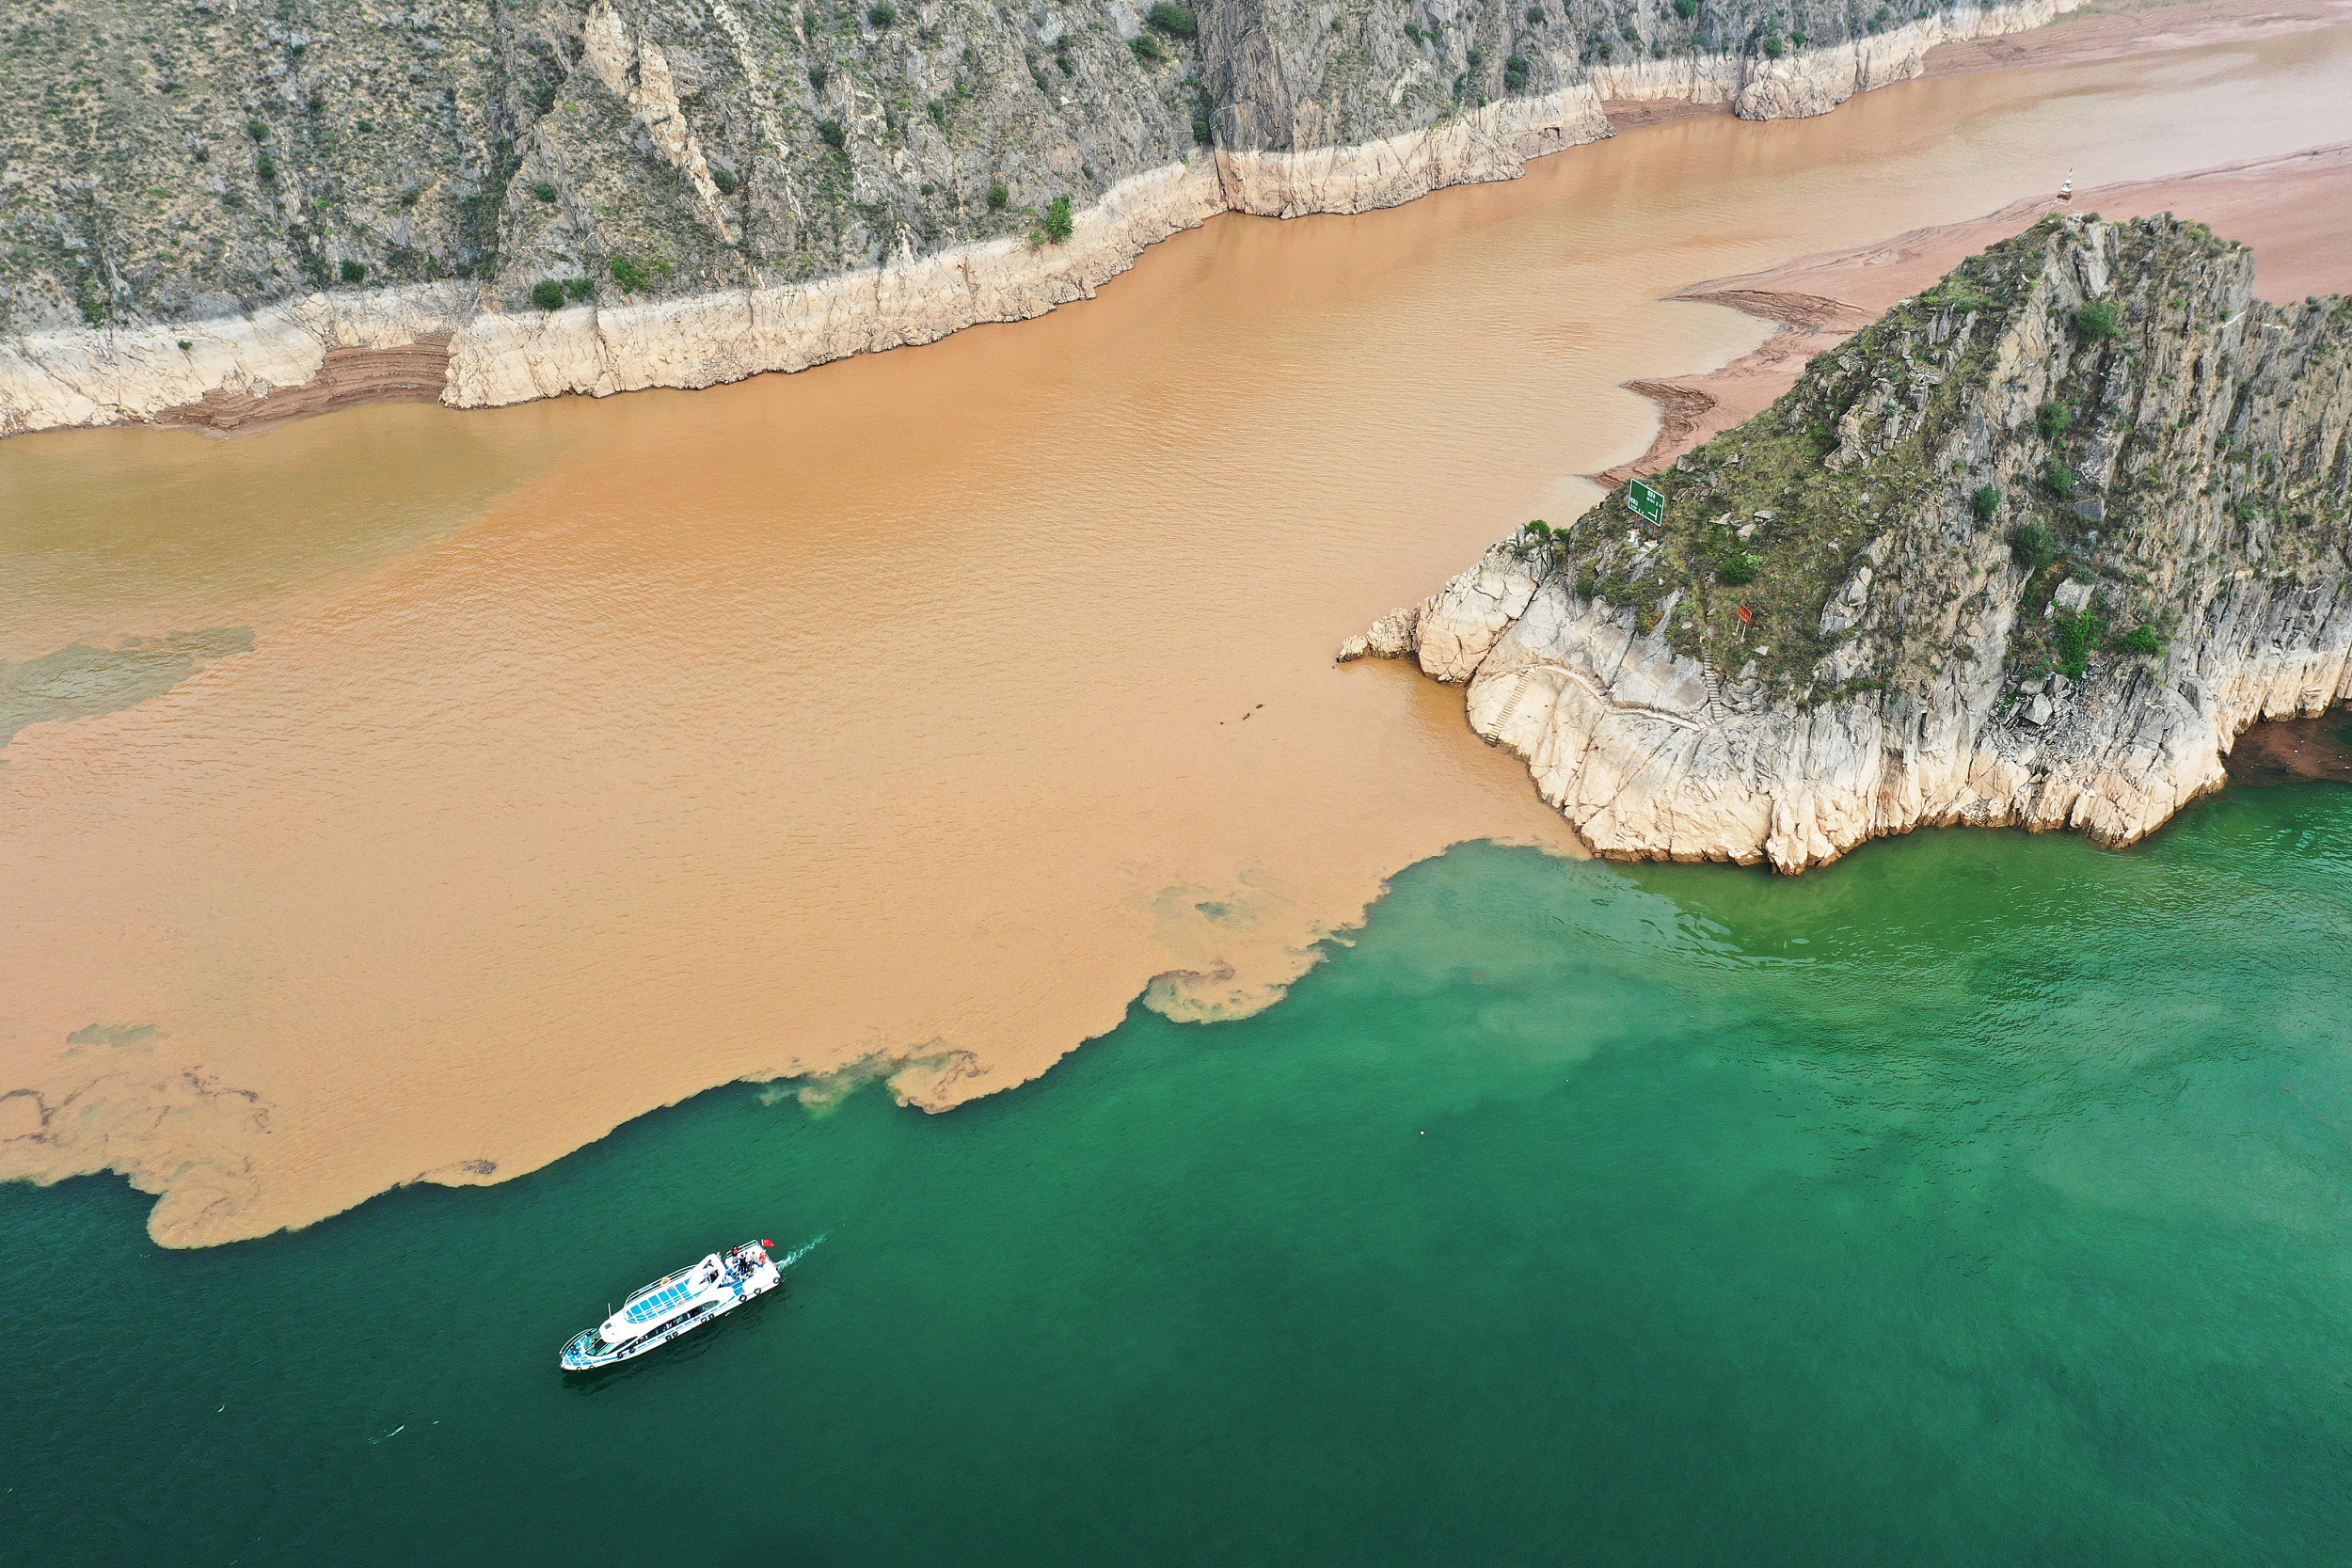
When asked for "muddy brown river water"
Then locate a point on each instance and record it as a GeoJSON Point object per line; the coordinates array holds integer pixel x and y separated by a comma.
{"type": "Point", "coordinates": [418, 794]}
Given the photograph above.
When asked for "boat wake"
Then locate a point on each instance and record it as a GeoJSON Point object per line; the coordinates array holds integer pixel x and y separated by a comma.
{"type": "Point", "coordinates": [802, 1250]}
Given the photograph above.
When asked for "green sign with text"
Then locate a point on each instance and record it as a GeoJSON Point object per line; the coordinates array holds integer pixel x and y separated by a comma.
{"type": "Point", "coordinates": [1646, 502]}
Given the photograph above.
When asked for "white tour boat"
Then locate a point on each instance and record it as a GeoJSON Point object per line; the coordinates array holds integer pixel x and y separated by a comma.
{"type": "Point", "coordinates": [672, 1305]}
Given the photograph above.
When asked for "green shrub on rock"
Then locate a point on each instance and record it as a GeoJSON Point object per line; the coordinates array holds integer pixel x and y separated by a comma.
{"type": "Point", "coordinates": [2077, 635]}
{"type": "Point", "coordinates": [1986, 503]}
{"type": "Point", "coordinates": [2097, 320]}
{"type": "Point", "coordinates": [548, 295]}
{"type": "Point", "coordinates": [354, 272]}
{"type": "Point", "coordinates": [1176, 21]}
{"type": "Point", "coordinates": [2032, 546]}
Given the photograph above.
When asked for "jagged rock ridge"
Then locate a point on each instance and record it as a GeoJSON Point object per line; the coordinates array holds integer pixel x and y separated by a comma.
{"type": "Point", "coordinates": [2033, 549]}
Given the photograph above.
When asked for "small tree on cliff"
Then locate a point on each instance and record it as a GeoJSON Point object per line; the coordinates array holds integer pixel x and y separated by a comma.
{"type": "Point", "coordinates": [1057, 225]}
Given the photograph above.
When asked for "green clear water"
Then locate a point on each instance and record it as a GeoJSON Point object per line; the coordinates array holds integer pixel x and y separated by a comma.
{"type": "Point", "coordinates": [1980, 1201]}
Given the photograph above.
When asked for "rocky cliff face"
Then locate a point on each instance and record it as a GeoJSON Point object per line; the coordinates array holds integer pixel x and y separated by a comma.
{"type": "Point", "coordinates": [2032, 550]}
{"type": "Point", "coordinates": [204, 198]}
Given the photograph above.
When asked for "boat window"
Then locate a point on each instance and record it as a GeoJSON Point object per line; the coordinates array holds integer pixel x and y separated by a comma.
{"type": "Point", "coordinates": [657, 1302]}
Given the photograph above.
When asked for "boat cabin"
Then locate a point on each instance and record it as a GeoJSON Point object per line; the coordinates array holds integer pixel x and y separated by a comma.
{"type": "Point", "coordinates": [669, 1297]}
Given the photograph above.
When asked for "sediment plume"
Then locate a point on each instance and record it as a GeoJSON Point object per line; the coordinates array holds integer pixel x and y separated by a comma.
{"type": "Point", "coordinates": [431, 795]}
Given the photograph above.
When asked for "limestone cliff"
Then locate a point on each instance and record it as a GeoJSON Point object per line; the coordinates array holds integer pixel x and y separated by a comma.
{"type": "Point", "coordinates": [2032, 550]}
{"type": "Point", "coordinates": [201, 200]}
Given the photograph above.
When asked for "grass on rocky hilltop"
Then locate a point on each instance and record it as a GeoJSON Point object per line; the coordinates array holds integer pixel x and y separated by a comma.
{"type": "Point", "coordinates": [1777, 516]}
{"type": "Point", "coordinates": [1757, 518]}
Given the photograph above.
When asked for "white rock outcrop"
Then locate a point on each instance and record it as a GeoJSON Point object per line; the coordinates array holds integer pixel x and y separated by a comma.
{"type": "Point", "coordinates": [1931, 703]}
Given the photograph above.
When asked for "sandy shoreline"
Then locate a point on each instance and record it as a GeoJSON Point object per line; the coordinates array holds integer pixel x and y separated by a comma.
{"type": "Point", "coordinates": [2294, 211]}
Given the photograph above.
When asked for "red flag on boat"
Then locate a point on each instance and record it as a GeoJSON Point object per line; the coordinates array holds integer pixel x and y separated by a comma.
{"type": "Point", "coordinates": [766, 1244]}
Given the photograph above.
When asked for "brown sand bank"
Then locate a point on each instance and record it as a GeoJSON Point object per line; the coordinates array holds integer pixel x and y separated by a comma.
{"type": "Point", "coordinates": [2103, 30]}
{"type": "Point", "coordinates": [2296, 211]}
{"type": "Point", "coordinates": [911, 716]}
{"type": "Point", "coordinates": [348, 378]}
{"type": "Point", "coordinates": [2122, 29]}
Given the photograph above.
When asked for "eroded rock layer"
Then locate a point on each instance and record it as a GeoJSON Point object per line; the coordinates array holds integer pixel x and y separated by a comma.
{"type": "Point", "coordinates": [2033, 549]}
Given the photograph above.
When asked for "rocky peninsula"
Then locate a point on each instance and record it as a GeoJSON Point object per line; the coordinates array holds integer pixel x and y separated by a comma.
{"type": "Point", "coordinates": [2032, 550]}
{"type": "Point", "coordinates": [243, 210]}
